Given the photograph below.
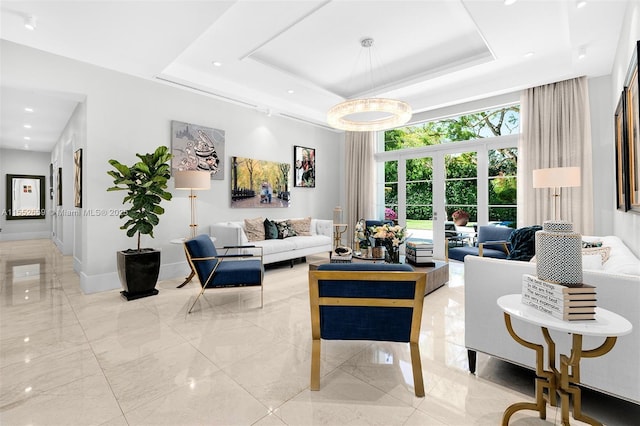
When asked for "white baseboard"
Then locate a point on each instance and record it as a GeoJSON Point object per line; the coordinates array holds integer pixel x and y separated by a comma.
{"type": "Point", "coordinates": [110, 281]}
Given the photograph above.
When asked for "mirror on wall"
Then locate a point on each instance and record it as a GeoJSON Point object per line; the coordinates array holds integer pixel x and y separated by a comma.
{"type": "Point", "coordinates": [25, 197]}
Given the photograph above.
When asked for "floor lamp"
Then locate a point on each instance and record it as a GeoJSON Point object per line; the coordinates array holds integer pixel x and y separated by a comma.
{"type": "Point", "coordinates": [192, 180]}
{"type": "Point", "coordinates": [556, 178]}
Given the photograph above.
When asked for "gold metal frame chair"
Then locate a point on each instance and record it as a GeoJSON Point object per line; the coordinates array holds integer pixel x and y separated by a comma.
{"type": "Point", "coordinates": [362, 283]}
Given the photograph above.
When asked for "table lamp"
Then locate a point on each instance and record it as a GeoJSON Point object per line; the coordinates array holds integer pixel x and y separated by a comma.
{"type": "Point", "coordinates": [556, 178]}
{"type": "Point", "coordinates": [192, 180]}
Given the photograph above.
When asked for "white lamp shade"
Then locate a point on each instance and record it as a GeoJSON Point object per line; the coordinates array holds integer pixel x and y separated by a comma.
{"type": "Point", "coordinates": [556, 177]}
{"type": "Point", "coordinates": [192, 179]}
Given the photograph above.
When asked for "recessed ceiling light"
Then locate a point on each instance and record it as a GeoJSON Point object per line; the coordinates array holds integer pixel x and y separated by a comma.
{"type": "Point", "coordinates": [581, 4]}
{"type": "Point", "coordinates": [509, 2]}
{"type": "Point", "coordinates": [28, 109]}
{"type": "Point", "coordinates": [529, 54]}
{"type": "Point", "coordinates": [27, 126]}
{"type": "Point", "coordinates": [30, 23]}
{"type": "Point", "coordinates": [216, 64]}
{"type": "Point", "coordinates": [291, 91]}
{"type": "Point", "coordinates": [27, 138]}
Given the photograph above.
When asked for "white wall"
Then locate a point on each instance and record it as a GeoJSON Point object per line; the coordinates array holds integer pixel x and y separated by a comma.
{"type": "Point", "coordinates": [24, 163]}
{"type": "Point", "coordinates": [127, 115]}
{"type": "Point", "coordinates": [603, 158]}
{"type": "Point", "coordinates": [626, 225]}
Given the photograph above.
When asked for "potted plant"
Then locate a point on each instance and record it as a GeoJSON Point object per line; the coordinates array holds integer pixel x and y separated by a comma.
{"type": "Point", "coordinates": [145, 183]}
{"type": "Point", "coordinates": [460, 217]}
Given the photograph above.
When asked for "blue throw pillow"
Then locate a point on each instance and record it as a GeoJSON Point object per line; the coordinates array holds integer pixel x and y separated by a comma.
{"type": "Point", "coordinates": [523, 243]}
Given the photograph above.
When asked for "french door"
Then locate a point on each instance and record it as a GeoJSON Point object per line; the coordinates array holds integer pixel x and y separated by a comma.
{"type": "Point", "coordinates": [426, 185]}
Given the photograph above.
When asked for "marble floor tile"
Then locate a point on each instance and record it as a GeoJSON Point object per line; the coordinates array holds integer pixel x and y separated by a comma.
{"type": "Point", "coordinates": [148, 377]}
{"type": "Point", "coordinates": [23, 380]}
{"type": "Point", "coordinates": [213, 400]}
{"type": "Point", "coordinates": [86, 401]}
{"type": "Point", "coordinates": [74, 359]}
{"type": "Point", "coordinates": [28, 347]}
{"type": "Point", "coordinates": [344, 399]}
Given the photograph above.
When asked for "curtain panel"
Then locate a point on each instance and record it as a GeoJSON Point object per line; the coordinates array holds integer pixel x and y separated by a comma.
{"type": "Point", "coordinates": [360, 178]}
{"type": "Point", "coordinates": [555, 132]}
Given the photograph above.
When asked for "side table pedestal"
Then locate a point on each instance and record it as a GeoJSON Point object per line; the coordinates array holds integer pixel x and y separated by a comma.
{"type": "Point", "coordinates": [552, 382]}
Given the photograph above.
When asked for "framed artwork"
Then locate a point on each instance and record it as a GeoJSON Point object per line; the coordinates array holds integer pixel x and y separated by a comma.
{"type": "Point", "coordinates": [197, 148]}
{"type": "Point", "coordinates": [304, 164]}
{"type": "Point", "coordinates": [633, 126]}
{"type": "Point", "coordinates": [59, 186]}
{"type": "Point", "coordinates": [259, 183]}
{"type": "Point", "coordinates": [51, 181]}
{"type": "Point", "coordinates": [77, 178]}
{"type": "Point", "coordinates": [622, 154]}
{"type": "Point", "coordinates": [25, 197]}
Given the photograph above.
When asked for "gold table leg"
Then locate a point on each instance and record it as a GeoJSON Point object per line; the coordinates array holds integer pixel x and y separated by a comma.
{"type": "Point", "coordinates": [546, 380]}
{"type": "Point", "coordinates": [554, 381]}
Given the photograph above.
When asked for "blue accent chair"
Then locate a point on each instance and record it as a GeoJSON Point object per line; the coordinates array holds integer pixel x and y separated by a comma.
{"type": "Point", "coordinates": [492, 241]}
{"type": "Point", "coordinates": [244, 268]}
{"type": "Point", "coordinates": [366, 301]}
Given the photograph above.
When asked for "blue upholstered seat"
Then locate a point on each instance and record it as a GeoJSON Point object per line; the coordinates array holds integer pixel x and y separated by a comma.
{"type": "Point", "coordinates": [366, 301]}
{"type": "Point", "coordinates": [215, 270]}
{"type": "Point", "coordinates": [487, 234]}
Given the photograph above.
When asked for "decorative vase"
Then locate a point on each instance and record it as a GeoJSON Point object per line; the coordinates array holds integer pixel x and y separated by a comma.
{"type": "Point", "coordinates": [376, 252]}
{"type": "Point", "coordinates": [392, 256]}
{"type": "Point", "coordinates": [559, 253]}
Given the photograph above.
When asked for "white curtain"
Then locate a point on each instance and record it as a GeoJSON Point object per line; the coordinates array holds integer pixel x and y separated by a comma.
{"type": "Point", "coordinates": [555, 132]}
{"type": "Point", "coordinates": [360, 177]}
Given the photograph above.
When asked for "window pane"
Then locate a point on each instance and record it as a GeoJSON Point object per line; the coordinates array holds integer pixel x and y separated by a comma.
{"type": "Point", "coordinates": [482, 124]}
{"type": "Point", "coordinates": [506, 215]}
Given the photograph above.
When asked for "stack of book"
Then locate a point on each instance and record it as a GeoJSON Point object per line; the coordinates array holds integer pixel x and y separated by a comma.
{"type": "Point", "coordinates": [419, 252]}
{"type": "Point", "coordinates": [345, 258]}
{"type": "Point", "coordinates": [562, 302]}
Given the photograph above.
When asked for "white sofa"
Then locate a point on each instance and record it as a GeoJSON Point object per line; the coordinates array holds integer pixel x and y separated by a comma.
{"type": "Point", "coordinates": [276, 250]}
{"type": "Point", "coordinates": [617, 288]}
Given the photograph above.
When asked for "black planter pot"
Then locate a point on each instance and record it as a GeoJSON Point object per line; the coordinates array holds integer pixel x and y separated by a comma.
{"type": "Point", "coordinates": [138, 272]}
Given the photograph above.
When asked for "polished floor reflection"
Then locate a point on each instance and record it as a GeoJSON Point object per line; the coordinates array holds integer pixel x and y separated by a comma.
{"type": "Point", "coordinates": [72, 359]}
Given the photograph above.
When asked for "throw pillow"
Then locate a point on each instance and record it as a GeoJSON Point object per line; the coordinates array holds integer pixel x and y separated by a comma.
{"type": "Point", "coordinates": [254, 228]}
{"type": "Point", "coordinates": [604, 252]}
{"type": "Point", "coordinates": [270, 230]}
{"type": "Point", "coordinates": [301, 226]}
{"type": "Point", "coordinates": [592, 261]}
{"type": "Point", "coordinates": [589, 244]}
{"type": "Point", "coordinates": [523, 243]}
{"type": "Point", "coordinates": [285, 230]}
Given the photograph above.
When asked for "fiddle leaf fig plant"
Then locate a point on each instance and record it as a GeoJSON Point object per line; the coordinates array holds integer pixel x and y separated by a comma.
{"type": "Point", "coordinates": [145, 183]}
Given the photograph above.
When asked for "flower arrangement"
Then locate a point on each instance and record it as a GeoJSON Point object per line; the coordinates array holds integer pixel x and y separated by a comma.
{"type": "Point", "coordinates": [361, 234]}
{"type": "Point", "coordinates": [390, 214]}
{"type": "Point", "coordinates": [390, 236]}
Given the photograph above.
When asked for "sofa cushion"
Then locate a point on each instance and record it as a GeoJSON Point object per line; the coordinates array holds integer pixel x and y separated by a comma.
{"type": "Point", "coordinates": [270, 230]}
{"type": "Point", "coordinates": [302, 242]}
{"type": "Point", "coordinates": [523, 243]}
{"type": "Point", "coordinates": [275, 246]}
{"type": "Point", "coordinates": [254, 228]}
{"type": "Point", "coordinates": [459, 253]}
{"type": "Point", "coordinates": [301, 226]}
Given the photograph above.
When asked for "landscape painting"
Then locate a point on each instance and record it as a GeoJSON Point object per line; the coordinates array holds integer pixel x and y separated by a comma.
{"type": "Point", "coordinates": [259, 183]}
{"type": "Point", "coordinates": [197, 148]}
